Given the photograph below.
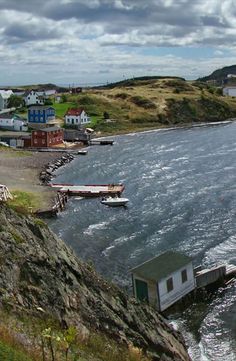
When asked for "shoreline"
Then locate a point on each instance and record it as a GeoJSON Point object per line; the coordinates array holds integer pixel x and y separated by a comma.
{"type": "Point", "coordinates": [166, 128]}
{"type": "Point", "coordinates": [22, 172]}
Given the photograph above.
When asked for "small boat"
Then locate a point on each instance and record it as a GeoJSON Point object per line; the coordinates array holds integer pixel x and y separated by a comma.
{"type": "Point", "coordinates": [114, 201]}
{"type": "Point", "coordinates": [82, 152]}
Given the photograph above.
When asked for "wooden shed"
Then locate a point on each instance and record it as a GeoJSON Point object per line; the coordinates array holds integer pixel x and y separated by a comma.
{"type": "Point", "coordinates": [164, 279]}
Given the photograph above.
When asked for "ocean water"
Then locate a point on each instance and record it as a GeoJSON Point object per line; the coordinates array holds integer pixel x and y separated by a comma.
{"type": "Point", "coordinates": [182, 190]}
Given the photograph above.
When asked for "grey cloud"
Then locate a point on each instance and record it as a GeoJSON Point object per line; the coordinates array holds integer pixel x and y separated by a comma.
{"type": "Point", "coordinates": [21, 5]}
{"type": "Point", "coordinates": [17, 32]}
{"type": "Point", "coordinates": [212, 21]}
{"type": "Point", "coordinates": [146, 18]}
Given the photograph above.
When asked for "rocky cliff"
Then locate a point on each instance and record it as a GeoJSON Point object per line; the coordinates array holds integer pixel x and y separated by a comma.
{"type": "Point", "coordinates": [39, 273]}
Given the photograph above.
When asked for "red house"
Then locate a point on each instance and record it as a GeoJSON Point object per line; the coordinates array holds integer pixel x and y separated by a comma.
{"type": "Point", "coordinates": [47, 137]}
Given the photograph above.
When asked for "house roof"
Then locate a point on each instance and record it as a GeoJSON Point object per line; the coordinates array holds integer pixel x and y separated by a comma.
{"type": "Point", "coordinates": [5, 94]}
{"type": "Point", "coordinates": [28, 92]}
{"type": "Point", "coordinates": [74, 111]}
{"type": "Point", "coordinates": [40, 107]}
{"type": "Point", "coordinates": [49, 129]}
{"type": "Point", "coordinates": [161, 266]}
{"type": "Point", "coordinates": [6, 115]}
{"type": "Point", "coordinates": [11, 116]}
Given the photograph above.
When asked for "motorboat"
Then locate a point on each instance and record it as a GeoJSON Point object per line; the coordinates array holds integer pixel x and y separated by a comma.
{"type": "Point", "coordinates": [114, 201]}
{"type": "Point", "coordinates": [82, 152]}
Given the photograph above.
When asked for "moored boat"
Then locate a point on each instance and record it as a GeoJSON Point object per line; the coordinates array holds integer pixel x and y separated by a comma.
{"type": "Point", "coordinates": [114, 201]}
{"type": "Point", "coordinates": [82, 152]}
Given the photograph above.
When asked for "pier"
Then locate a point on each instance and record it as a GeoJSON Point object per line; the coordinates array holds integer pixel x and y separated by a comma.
{"type": "Point", "coordinates": [101, 142]}
{"type": "Point", "coordinates": [89, 190]}
{"type": "Point", "coordinates": [59, 206]}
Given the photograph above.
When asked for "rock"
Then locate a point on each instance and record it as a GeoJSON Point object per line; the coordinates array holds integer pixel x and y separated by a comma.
{"type": "Point", "coordinates": [42, 274]}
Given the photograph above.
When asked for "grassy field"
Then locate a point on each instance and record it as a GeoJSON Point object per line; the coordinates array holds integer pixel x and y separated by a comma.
{"type": "Point", "coordinates": [147, 103]}
{"type": "Point", "coordinates": [61, 108]}
{"type": "Point", "coordinates": [153, 103]}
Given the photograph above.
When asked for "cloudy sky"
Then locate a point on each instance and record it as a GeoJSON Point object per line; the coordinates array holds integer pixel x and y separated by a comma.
{"type": "Point", "coordinates": [99, 41]}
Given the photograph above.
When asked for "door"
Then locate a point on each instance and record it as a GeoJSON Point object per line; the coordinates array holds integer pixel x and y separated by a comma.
{"type": "Point", "coordinates": [141, 290]}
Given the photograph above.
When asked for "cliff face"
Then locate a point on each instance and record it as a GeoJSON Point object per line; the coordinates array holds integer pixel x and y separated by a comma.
{"type": "Point", "coordinates": [39, 273]}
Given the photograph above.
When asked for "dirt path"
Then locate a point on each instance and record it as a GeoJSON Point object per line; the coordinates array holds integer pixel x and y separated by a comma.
{"type": "Point", "coordinates": [20, 171]}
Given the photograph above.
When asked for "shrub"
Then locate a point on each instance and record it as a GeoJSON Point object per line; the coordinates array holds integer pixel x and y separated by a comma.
{"type": "Point", "coordinates": [121, 95]}
{"type": "Point", "coordinates": [106, 115]}
{"type": "Point", "coordinates": [142, 102]}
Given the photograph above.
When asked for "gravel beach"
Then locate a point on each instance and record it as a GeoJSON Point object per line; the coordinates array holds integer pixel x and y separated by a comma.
{"type": "Point", "coordinates": [20, 171]}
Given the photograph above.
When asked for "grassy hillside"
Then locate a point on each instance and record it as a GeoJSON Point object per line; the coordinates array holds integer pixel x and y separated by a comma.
{"type": "Point", "coordinates": [146, 103]}
{"type": "Point", "coordinates": [220, 74]}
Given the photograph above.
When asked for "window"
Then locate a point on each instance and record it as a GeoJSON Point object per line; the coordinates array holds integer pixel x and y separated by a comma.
{"type": "Point", "coordinates": [184, 275]}
{"type": "Point", "coordinates": [35, 141]}
{"type": "Point", "coordinates": [169, 284]}
{"type": "Point", "coordinates": [43, 141]}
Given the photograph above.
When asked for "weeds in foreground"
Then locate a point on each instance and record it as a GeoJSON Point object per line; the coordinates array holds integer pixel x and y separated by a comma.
{"type": "Point", "coordinates": [35, 339]}
{"type": "Point", "coordinates": [23, 202]}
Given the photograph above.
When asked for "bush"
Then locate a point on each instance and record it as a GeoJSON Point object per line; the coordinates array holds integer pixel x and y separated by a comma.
{"type": "Point", "coordinates": [142, 102]}
{"type": "Point", "coordinates": [219, 91]}
{"type": "Point", "coordinates": [48, 102]}
{"type": "Point", "coordinates": [121, 95]}
{"type": "Point", "coordinates": [63, 98]}
{"type": "Point", "coordinates": [106, 115]}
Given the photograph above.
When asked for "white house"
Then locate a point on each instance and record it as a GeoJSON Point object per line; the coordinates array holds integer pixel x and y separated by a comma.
{"type": "Point", "coordinates": [57, 99]}
{"type": "Point", "coordinates": [4, 97]}
{"type": "Point", "coordinates": [12, 122]}
{"type": "Point", "coordinates": [32, 98]}
{"type": "Point", "coordinates": [76, 116]}
{"type": "Point", "coordinates": [163, 280]}
{"type": "Point", "coordinates": [229, 91]}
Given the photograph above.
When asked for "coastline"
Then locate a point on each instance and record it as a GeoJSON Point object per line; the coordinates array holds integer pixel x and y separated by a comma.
{"type": "Point", "coordinates": [166, 128]}
{"type": "Point", "coordinates": [20, 171]}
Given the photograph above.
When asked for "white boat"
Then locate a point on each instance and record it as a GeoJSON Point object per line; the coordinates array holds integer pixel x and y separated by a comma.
{"type": "Point", "coordinates": [82, 152]}
{"type": "Point", "coordinates": [114, 201]}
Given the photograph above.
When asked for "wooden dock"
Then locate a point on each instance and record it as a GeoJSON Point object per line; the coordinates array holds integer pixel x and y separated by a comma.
{"type": "Point", "coordinates": [59, 206]}
{"type": "Point", "coordinates": [207, 278]}
{"type": "Point", "coordinates": [101, 142]}
{"type": "Point", "coordinates": [89, 190]}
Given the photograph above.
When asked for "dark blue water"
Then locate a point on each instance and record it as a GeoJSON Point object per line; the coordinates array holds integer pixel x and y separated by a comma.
{"type": "Point", "coordinates": [182, 190]}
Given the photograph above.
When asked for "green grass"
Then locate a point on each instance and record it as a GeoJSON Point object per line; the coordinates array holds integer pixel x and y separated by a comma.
{"type": "Point", "coordinates": [44, 334]}
{"type": "Point", "coordinates": [61, 108]}
{"type": "Point", "coordinates": [24, 202]}
{"type": "Point", "coordinates": [8, 353]}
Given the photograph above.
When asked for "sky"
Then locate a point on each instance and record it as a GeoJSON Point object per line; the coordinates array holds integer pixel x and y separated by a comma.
{"type": "Point", "coordinates": [88, 42]}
